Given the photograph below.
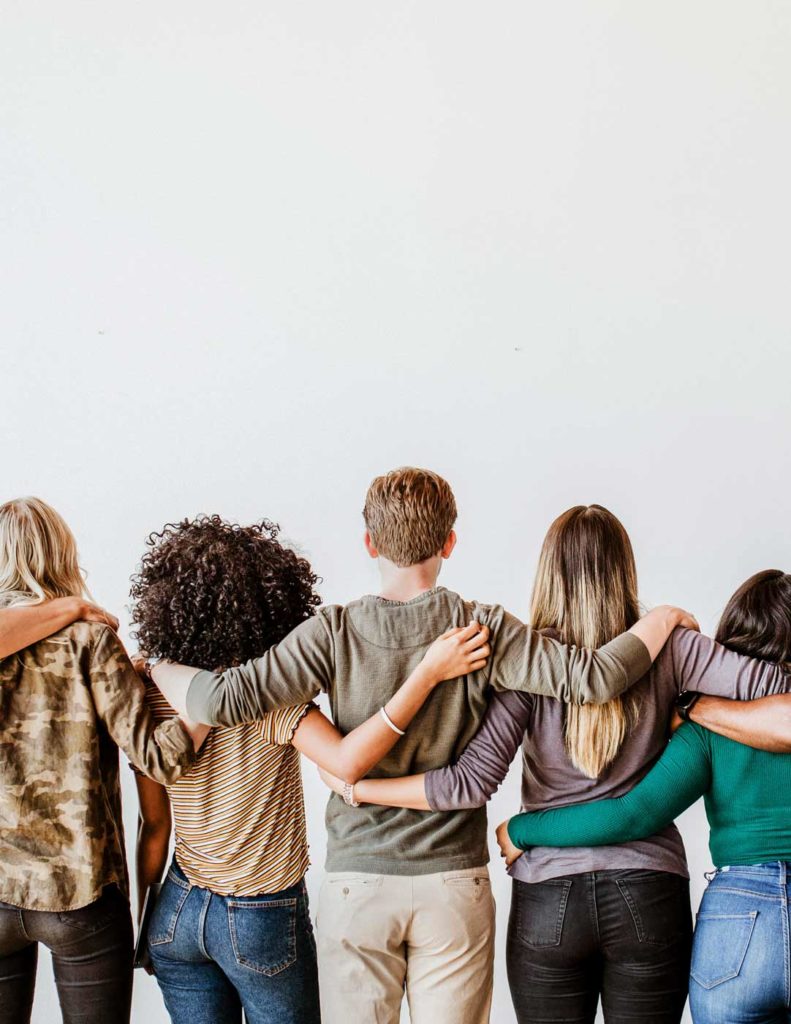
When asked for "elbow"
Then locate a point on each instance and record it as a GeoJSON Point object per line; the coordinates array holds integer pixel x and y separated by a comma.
{"type": "Point", "coordinates": [350, 769]}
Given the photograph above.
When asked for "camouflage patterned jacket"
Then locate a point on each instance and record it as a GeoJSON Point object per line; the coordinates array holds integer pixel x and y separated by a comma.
{"type": "Point", "coordinates": [66, 705]}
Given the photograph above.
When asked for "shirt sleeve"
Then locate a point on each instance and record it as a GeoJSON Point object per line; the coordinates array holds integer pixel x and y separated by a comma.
{"type": "Point", "coordinates": [485, 761]}
{"type": "Point", "coordinates": [700, 663]}
{"type": "Point", "coordinates": [677, 780]}
{"type": "Point", "coordinates": [164, 750]}
{"type": "Point", "coordinates": [524, 659]}
{"type": "Point", "coordinates": [278, 727]}
{"type": "Point", "coordinates": [292, 672]}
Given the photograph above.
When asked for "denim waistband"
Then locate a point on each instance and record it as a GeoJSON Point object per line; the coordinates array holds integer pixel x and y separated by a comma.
{"type": "Point", "coordinates": [780, 869]}
{"type": "Point", "coordinates": [771, 879]}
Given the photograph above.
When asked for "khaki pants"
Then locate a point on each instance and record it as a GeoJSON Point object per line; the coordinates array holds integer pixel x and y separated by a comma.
{"type": "Point", "coordinates": [431, 936]}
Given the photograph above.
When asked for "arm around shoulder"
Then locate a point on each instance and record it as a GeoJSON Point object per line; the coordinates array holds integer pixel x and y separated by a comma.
{"type": "Point", "coordinates": [162, 751]}
{"type": "Point", "coordinates": [292, 672]}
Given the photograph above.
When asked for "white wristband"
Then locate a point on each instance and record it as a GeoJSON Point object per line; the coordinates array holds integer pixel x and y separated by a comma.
{"type": "Point", "coordinates": [388, 721]}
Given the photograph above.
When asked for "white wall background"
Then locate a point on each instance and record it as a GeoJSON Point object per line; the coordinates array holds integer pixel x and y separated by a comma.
{"type": "Point", "coordinates": [255, 253]}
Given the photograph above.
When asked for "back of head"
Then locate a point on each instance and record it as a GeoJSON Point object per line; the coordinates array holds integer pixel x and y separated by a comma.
{"type": "Point", "coordinates": [757, 619]}
{"type": "Point", "coordinates": [409, 514]}
{"type": "Point", "coordinates": [586, 590]}
{"type": "Point", "coordinates": [213, 594]}
{"type": "Point", "coordinates": [38, 554]}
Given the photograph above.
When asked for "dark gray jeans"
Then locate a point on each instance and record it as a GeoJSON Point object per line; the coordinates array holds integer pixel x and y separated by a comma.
{"type": "Point", "coordinates": [91, 956]}
{"type": "Point", "coordinates": [622, 936]}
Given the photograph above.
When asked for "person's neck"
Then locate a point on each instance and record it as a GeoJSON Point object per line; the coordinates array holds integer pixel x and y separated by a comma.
{"type": "Point", "coordinates": [405, 584]}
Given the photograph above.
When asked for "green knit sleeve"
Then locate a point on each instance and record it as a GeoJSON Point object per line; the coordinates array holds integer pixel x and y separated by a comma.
{"type": "Point", "coordinates": [677, 780]}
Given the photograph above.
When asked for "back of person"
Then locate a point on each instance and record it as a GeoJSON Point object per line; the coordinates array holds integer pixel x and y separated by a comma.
{"type": "Point", "coordinates": [741, 963]}
{"type": "Point", "coordinates": [239, 814]}
{"type": "Point", "coordinates": [66, 705]}
{"type": "Point", "coordinates": [59, 771]}
{"type": "Point", "coordinates": [406, 904]}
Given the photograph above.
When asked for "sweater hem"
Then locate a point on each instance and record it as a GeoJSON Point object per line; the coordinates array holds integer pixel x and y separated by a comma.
{"type": "Point", "coordinates": [426, 866]}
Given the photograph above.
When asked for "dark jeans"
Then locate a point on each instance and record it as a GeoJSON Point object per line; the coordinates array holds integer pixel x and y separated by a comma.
{"type": "Point", "coordinates": [622, 935]}
{"type": "Point", "coordinates": [91, 956]}
{"type": "Point", "coordinates": [214, 955]}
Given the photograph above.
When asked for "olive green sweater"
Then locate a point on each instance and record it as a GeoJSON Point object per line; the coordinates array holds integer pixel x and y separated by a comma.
{"type": "Point", "coordinates": [360, 654]}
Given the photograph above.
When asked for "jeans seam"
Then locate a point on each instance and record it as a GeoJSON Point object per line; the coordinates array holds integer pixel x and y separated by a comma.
{"type": "Point", "coordinates": [202, 924]}
{"type": "Point", "coordinates": [594, 905]}
{"type": "Point", "coordinates": [20, 912]}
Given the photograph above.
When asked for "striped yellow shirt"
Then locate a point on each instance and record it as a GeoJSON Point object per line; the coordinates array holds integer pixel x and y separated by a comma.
{"type": "Point", "coordinates": [239, 813]}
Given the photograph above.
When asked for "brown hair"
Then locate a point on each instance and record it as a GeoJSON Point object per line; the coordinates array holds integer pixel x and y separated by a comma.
{"type": "Point", "coordinates": [757, 619]}
{"type": "Point", "coordinates": [409, 514]}
{"type": "Point", "coordinates": [586, 590]}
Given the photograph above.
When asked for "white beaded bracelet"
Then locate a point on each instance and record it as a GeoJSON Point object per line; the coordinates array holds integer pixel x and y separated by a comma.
{"type": "Point", "coordinates": [388, 721]}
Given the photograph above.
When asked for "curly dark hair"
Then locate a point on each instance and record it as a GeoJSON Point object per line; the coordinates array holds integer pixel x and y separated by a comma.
{"type": "Point", "coordinates": [213, 594]}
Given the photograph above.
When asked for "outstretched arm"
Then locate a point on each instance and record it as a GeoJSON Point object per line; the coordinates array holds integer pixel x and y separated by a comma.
{"type": "Point", "coordinates": [764, 724]}
{"type": "Point", "coordinates": [700, 663]}
{"type": "Point", "coordinates": [164, 750]}
{"type": "Point", "coordinates": [677, 780]}
{"type": "Point", "coordinates": [471, 781]}
{"type": "Point", "coordinates": [456, 653]}
{"type": "Point", "coordinates": [292, 672]}
{"type": "Point", "coordinates": [27, 624]}
{"type": "Point", "coordinates": [524, 659]}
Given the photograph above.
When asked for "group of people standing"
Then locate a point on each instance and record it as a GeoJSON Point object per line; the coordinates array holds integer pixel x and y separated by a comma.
{"type": "Point", "coordinates": [431, 698]}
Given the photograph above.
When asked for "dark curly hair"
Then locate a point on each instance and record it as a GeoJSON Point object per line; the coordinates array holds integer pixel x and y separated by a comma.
{"type": "Point", "coordinates": [213, 594]}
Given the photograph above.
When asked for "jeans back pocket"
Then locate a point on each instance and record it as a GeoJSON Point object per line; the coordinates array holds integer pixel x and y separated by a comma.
{"type": "Point", "coordinates": [263, 933]}
{"type": "Point", "coordinates": [540, 909]}
{"type": "Point", "coordinates": [166, 913]}
{"type": "Point", "coordinates": [658, 903]}
{"type": "Point", "coordinates": [720, 946]}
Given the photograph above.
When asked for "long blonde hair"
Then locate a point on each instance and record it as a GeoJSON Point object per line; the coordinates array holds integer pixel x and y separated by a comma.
{"type": "Point", "coordinates": [38, 554]}
{"type": "Point", "coordinates": [586, 590]}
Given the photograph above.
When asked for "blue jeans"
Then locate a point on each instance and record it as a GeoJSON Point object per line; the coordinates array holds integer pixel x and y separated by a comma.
{"type": "Point", "coordinates": [741, 961]}
{"type": "Point", "coordinates": [216, 955]}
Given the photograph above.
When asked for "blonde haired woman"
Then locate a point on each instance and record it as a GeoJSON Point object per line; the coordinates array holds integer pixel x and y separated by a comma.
{"type": "Point", "coordinates": [613, 922]}
{"type": "Point", "coordinates": [67, 703]}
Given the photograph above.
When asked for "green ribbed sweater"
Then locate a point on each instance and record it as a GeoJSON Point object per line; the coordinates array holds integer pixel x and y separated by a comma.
{"type": "Point", "coordinates": [747, 796]}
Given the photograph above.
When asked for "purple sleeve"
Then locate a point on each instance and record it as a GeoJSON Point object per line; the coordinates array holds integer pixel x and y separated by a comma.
{"type": "Point", "coordinates": [485, 761]}
{"type": "Point", "coordinates": [700, 663]}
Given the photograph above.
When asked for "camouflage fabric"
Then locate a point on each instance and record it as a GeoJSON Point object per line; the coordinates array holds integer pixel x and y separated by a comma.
{"type": "Point", "coordinates": [66, 705]}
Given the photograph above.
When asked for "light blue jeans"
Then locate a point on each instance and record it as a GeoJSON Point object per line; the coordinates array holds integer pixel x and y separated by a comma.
{"type": "Point", "coordinates": [741, 956]}
{"type": "Point", "coordinates": [214, 956]}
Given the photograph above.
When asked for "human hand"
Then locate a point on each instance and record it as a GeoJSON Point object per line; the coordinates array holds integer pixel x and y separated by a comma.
{"type": "Point", "coordinates": [676, 721]}
{"type": "Point", "coordinates": [507, 848]}
{"type": "Point", "coordinates": [457, 652]}
{"type": "Point", "coordinates": [89, 612]}
{"type": "Point", "coordinates": [685, 620]}
{"type": "Point", "coordinates": [140, 665]}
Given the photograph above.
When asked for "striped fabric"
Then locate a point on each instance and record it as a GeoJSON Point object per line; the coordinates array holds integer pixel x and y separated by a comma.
{"type": "Point", "coordinates": [239, 813]}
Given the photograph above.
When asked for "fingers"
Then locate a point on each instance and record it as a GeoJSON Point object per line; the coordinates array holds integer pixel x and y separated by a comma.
{"type": "Point", "coordinates": [475, 639]}
{"type": "Point", "coordinates": [97, 614]}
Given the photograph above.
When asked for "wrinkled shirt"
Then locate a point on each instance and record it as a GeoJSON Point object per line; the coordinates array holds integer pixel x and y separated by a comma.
{"type": "Point", "coordinates": [67, 704]}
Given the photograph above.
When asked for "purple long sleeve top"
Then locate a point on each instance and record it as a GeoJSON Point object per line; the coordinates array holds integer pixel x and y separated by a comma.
{"type": "Point", "coordinates": [549, 779]}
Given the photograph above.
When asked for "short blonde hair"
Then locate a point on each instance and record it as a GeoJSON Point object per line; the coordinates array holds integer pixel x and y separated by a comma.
{"type": "Point", "coordinates": [38, 554]}
{"type": "Point", "coordinates": [409, 514]}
